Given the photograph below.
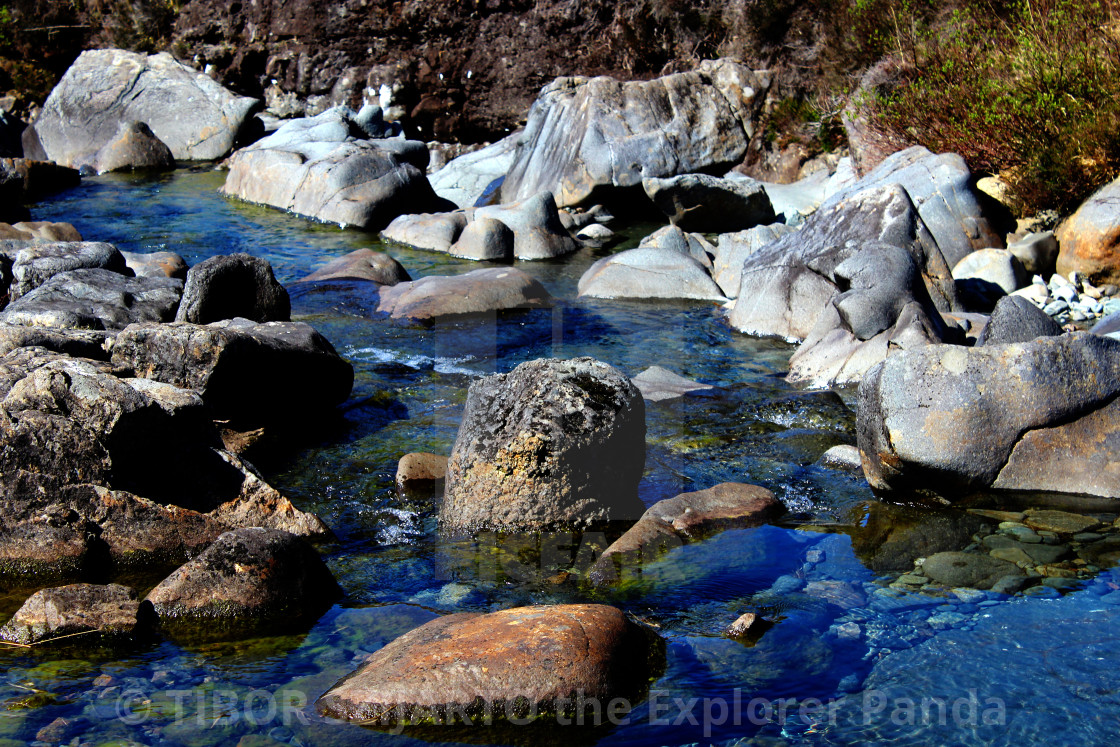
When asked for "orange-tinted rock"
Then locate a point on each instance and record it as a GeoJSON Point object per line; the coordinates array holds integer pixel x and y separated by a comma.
{"type": "Point", "coordinates": [1090, 238]}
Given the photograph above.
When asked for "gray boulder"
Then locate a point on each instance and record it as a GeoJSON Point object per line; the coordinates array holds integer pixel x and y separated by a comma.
{"type": "Point", "coordinates": [362, 264]}
{"type": "Point", "coordinates": [78, 343]}
{"type": "Point", "coordinates": [135, 146]}
{"type": "Point", "coordinates": [1038, 252]}
{"type": "Point", "coordinates": [35, 265]}
{"type": "Point", "coordinates": [433, 232]}
{"type": "Point", "coordinates": [96, 299]}
{"type": "Point", "coordinates": [585, 135]}
{"type": "Point", "coordinates": [692, 244]}
{"type": "Point", "coordinates": [475, 292]}
{"type": "Point", "coordinates": [986, 275]}
{"type": "Point", "coordinates": [699, 202]}
{"type": "Point", "coordinates": [103, 613]}
{"type": "Point", "coordinates": [552, 443]}
{"type": "Point", "coordinates": [732, 250]}
{"type": "Point", "coordinates": [230, 286]}
{"type": "Point", "coordinates": [249, 578]}
{"type": "Point", "coordinates": [536, 227]}
{"type": "Point", "coordinates": [465, 180]}
{"type": "Point", "coordinates": [648, 272]}
{"type": "Point", "coordinates": [788, 284]}
{"type": "Point", "coordinates": [658, 384]}
{"type": "Point", "coordinates": [242, 370]}
{"type": "Point", "coordinates": [193, 115]}
{"type": "Point", "coordinates": [886, 308]}
{"type": "Point", "coordinates": [485, 238]}
{"type": "Point", "coordinates": [1025, 416]}
{"type": "Point", "coordinates": [1015, 319]}
{"type": "Point", "coordinates": [323, 168]}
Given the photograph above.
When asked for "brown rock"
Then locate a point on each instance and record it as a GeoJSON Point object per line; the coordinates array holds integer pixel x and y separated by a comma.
{"type": "Point", "coordinates": [1059, 522]}
{"type": "Point", "coordinates": [475, 292]}
{"type": "Point", "coordinates": [1090, 238]}
{"type": "Point", "coordinates": [37, 229]}
{"type": "Point", "coordinates": [156, 264]}
{"type": "Point", "coordinates": [742, 625]}
{"type": "Point", "coordinates": [134, 146]}
{"type": "Point", "coordinates": [78, 608]}
{"type": "Point", "coordinates": [362, 264]}
{"type": "Point", "coordinates": [510, 663]}
{"type": "Point", "coordinates": [421, 471]}
{"type": "Point", "coordinates": [672, 522]}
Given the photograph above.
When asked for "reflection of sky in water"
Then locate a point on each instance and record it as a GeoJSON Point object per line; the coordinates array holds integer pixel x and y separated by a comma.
{"type": "Point", "coordinates": [839, 634]}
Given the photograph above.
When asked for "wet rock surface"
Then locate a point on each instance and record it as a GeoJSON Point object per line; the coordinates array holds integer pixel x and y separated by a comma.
{"type": "Point", "coordinates": [110, 611]}
{"type": "Point", "coordinates": [475, 292]}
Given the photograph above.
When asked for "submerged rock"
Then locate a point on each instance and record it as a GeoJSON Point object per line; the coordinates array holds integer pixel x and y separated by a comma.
{"type": "Point", "coordinates": [110, 612]}
{"type": "Point", "coordinates": [475, 292]}
{"type": "Point", "coordinates": [585, 135]}
{"type": "Point", "coordinates": [968, 569]}
{"type": "Point", "coordinates": [552, 443]}
{"type": "Point", "coordinates": [1037, 415]}
{"type": "Point", "coordinates": [232, 286]}
{"type": "Point", "coordinates": [658, 384]}
{"type": "Point", "coordinates": [248, 578]}
{"type": "Point", "coordinates": [511, 663]}
{"type": "Point", "coordinates": [193, 115]}
{"type": "Point", "coordinates": [689, 516]}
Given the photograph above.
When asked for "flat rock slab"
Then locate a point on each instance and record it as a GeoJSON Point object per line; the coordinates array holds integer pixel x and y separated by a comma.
{"type": "Point", "coordinates": [37, 264]}
{"type": "Point", "coordinates": [192, 114]}
{"type": "Point", "coordinates": [475, 292]}
{"type": "Point", "coordinates": [658, 384]}
{"type": "Point", "coordinates": [96, 299]}
{"type": "Point", "coordinates": [512, 663]}
{"type": "Point", "coordinates": [110, 611]}
{"type": "Point", "coordinates": [684, 518]}
{"type": "Point", "coordinates": [1059, 522]}
{"type": "Point", "coordinates": [968, 569]}
{"type": "Point", "coordinates": [248, 576]}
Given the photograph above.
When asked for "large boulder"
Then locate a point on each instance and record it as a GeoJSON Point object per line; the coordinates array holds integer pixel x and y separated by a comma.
{"type": "Point", "coordinates": [485, 239]}
{"type": "Point", "coordinates": [241, 369]}
{"type": "Point", "coordinates": [1015, 319]}
{"type": "Point", "coordinates": [29, 180]}
{"type": "Point", "coordinates": [700, 202]}
{"type": "Point", "coordinates": [687, 517]}
{"type": "Point", "coordinates": [786, 285]}
{"type": "Point", "coordinates": [362, 264]}
{"type": "Point", "coordinates": [193, 115]}
{"type": "Point", "coordinates": [231, 286]}
{"type": "Point", "coordinates": [1090, 238]}
{"type": "Point", "coordinates": [1037, 415]}
{"type": "Point", "coordinates": [104, 613]}
{"type": "Point", "coordinates": [252, 577]}
{"type": "Point", "coordinates": [79, 343]}
{"type": "Point", "coordinates": [467, 179]}
{"type": "Point", "coordinates": [732, 250]}
{"type": "Point", "coordinates": [986, 275]}
{"type": "Point", "coordinates": [511, 664]}
{"type": "Point", "coordinates": [434, 232]}
{"type": "Point", "coordinates": [135, 146]}
{"type": "Point", "coordinates": [38, 263]}
{"type": "Point", "coordinates": [585, 135]}
{"type": "Point", "coordinates": [32, 230]}
{"type": "Point", "coordinates": [324, 168]}
{"type": "Point", "coordinates": [96, 299]}
{"type": "Point", "coordinates": [885, 308]}
{"type": "Point", "coordinates": [552, 443]}
{"type": "Point", "coordinates": [650, 272]}
{"type": "Point", "coordinates": [535, 223]}
{"type": "Point", "coordinates": [476, 292]}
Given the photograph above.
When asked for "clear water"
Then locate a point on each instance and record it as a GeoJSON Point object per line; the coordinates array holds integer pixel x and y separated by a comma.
{"type": "Point", "coordinates": [840, 666]}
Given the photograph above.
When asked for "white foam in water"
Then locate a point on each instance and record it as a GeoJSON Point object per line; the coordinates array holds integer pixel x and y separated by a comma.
{"type": "Point", "coordinates": [419, 362]}
{"type": "Point", "coordinates": [404, 531]}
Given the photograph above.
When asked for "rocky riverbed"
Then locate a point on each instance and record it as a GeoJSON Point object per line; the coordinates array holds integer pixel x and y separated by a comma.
{"type": "Point", "coordinates": [505, 467]}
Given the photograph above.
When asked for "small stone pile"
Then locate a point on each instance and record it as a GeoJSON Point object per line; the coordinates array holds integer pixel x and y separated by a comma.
{"type": "Point", "coordinates": [1071, 299]}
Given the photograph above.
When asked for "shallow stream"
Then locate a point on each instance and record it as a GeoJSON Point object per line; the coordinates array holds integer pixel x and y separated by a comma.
{"type": "Point", "coordinates": [848, 659]}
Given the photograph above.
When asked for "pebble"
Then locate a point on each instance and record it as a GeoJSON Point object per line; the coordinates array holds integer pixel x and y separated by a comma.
{"type": "Point", "coordinates": [848, 631]}
{"type": "Point", "coordinates": [1055, 307]}
{"type": "Point", "coordinates": [968, 596]}
{"type": "Point", "coordinates": [1065, 293]}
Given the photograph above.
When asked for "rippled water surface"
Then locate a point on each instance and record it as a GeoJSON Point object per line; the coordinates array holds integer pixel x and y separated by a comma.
{"type": "Point", "coordinates": [839, 666]}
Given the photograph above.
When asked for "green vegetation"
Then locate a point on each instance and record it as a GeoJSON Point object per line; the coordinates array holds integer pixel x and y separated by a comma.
{"type": "Point", "coordinates": [1029, 90]}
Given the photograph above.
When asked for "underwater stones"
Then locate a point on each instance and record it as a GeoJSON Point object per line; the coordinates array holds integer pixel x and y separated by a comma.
{"type": "Point", "coordinates": [362, 264]}
{"type": "Point", "coordinates": [552, 443]}
{"type": "Point", "coordinates": [252, 577]}
{"type": "Point", "coordinates": [1059, 522]}
{"type": "Point", "coordinates": [699, 202]}
{"type": "Point", "coordinates": [95, 299]}
{"type": "Point", "coordinates": [515, 662]}
{"type": "Point", "coordinates": [231, 286]}
{"type": "Point", "coordinates": [586, 135]}
{"type": "Point", "coordinates": [674, 521]}
{"type": "Point", "coordinates": [476, 292]}
{"type": "Point", "coordinates": [110, 611]}
{"type": "Point", "coordinates": [972, 570]}
{"type": "Point", "coordinates": [1026, 416]}
{"type": "Point", "coordinates": [243, 370]}
{"type": "Point", "coordinates": [193, 115]}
